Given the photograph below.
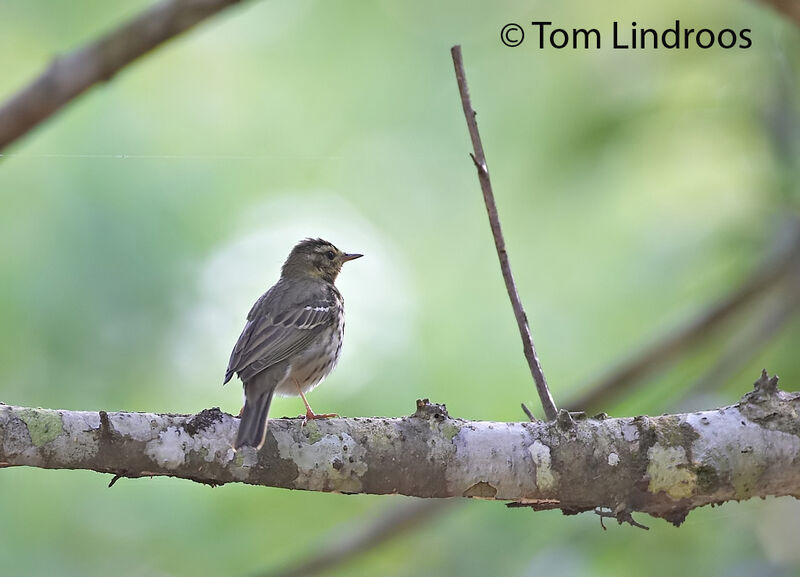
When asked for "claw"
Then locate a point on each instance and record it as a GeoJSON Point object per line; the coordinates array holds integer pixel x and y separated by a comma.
{"type": "Point", "coordinates": [311, 416]}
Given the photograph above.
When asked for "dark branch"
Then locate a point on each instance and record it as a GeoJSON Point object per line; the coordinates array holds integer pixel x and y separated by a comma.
{"type": "Point", "coordinates": [789, 8]}
{"type": "Point", "coordinates": [367, 534]}
{"type": "Point", "coordinates": [72, 74]}
{"type": "Point", "coordinates": [775, 269]}
{"type": "Point", "coordinates": [478, 157]}
{"type": "Point", "coordinates": [748, 345]}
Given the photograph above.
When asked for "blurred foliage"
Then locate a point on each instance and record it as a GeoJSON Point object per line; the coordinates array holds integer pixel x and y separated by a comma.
{"type": "Point", "coordinates": [140, 223]}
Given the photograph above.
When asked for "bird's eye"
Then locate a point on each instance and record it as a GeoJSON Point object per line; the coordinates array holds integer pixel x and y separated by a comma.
{"type": "Point", "coordinates": [330, 255]}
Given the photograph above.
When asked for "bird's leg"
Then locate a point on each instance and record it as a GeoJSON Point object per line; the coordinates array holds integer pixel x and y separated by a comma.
{"type": "Point", "coordinates": [310, 414]}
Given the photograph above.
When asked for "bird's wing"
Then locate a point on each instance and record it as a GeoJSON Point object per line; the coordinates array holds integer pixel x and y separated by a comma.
{"type": "Point", "coordinates": [271, 337]}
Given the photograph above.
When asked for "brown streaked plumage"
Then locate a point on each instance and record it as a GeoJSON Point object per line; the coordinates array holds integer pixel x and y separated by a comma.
{"type": "Point", "coordinates": [292, 338]}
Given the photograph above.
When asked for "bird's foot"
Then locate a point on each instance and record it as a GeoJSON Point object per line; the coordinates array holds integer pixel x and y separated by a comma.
{"type": "Point", "coordinates": [311, 416]}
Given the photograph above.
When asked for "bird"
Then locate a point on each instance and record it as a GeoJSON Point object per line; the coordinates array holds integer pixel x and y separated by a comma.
{"type": "Point", "coordinates": [292, 338]}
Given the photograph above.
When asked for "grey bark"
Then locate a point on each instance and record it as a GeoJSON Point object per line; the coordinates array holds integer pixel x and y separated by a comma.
{"type": "Point", "coordinates": [664, 466]}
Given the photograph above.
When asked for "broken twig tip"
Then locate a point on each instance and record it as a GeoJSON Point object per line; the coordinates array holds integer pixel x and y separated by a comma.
{"type": "Point", "coordinates": [765, 384]}
{"type": "Point", "coordinates": [565, 420]}
{"type": "Point", "coordinates": [622, 515]}
{"type": "Point", "coordinates": [528, 413]}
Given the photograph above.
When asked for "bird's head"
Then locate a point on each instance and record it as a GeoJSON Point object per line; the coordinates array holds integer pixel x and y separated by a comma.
{"type": "Point", "coordinates": [315, 258]}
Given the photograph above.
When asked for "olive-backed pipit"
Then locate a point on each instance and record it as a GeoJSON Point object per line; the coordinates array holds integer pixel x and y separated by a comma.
{"type": "Point", "coordinates": [293, 336]}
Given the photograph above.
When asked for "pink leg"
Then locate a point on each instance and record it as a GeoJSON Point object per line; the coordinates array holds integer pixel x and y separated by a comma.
{"type": "Point", "coordinates": [310, 414]}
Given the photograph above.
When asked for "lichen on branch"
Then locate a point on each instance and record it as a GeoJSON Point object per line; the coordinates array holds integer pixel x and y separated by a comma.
{"type": "Point", "coordinates": [664, 466]}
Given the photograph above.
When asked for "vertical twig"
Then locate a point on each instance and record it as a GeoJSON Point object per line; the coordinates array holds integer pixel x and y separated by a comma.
{"type": "Point", "coordinates": [479, 159]}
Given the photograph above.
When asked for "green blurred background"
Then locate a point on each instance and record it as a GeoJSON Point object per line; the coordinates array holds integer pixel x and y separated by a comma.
{"type": "Point", "coordinates": [138, 226]}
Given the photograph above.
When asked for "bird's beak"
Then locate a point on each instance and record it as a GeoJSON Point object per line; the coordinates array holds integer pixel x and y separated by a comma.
{"type": "Point", "coordinates": [350, 256]}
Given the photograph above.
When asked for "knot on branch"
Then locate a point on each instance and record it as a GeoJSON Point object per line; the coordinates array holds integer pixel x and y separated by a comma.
{"type": "Point", "coordinates": [428, 410]}
{"type": "Point", "coordinates": [105, 426]}
{"type": "Point", "coordinates": [768, 406]}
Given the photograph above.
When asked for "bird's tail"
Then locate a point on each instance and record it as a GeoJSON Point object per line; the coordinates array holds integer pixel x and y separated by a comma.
{"type": "Point", "coordinates": [253, 425]}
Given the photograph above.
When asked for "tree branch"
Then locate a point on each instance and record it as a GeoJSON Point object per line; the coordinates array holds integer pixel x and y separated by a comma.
{"type": "Point", "coordinates": [74, 73]}
{"type": "Point", "coordinates": [664, 466]}
{"type": "Point", "coordinates": [782, 261]}
{"type": "Point", "coordinates": [749, 344]}
{"type": "Point", "coordinates": [363, 535]}
{"type": "Point", "coordinates": [479, 159]}
{"type": "Point", "coordinates": [789, 8]}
